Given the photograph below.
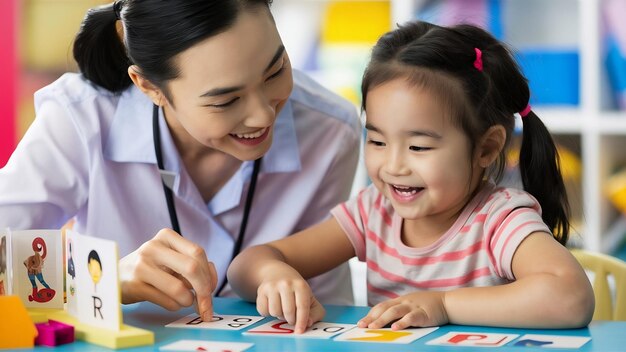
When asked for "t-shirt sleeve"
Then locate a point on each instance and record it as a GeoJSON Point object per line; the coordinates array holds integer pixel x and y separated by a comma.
{"type": "Point", "coordinates": [512, 216]}
{"type": "Point", "coordinates": [352, 217]}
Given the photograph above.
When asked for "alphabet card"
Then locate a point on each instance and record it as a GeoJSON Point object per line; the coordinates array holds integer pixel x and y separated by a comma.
{"type": "Point", "coordinates": [476, 339]}
{"type": "Point", "coordinates": [551, 341]}
{"type": "Point", "coordinates": [209, 346]}
{"type": "Point", "coordinates": [219, 322]}
{"type": "Point", "coordinates": [36, 267]}
{"type": "Point", "coordinates": [70, 274]}
{"type": "Point", "coordinates": [4, 270]}
{"type": "Point", "coordinates": [97, 287]}
{"type": "Point", "coordinates": [280, 328]}
{"type": "Point", "coordinates": [385, 335]}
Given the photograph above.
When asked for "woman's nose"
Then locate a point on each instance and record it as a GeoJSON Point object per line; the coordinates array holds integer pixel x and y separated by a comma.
{"type": "Point", "coordinates": [262, 111]}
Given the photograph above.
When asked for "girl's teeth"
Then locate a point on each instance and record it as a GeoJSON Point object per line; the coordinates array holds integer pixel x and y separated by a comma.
{"type": "Point", "coordinates": [406, 191]}
{"type": "Point", "coordinates": [251, 135]}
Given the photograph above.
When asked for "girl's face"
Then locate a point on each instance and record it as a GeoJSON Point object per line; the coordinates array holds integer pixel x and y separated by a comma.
{"type": "Point", "coordinates": [231, 88]}
{"type": "Point", "coordinates": [419, 160]}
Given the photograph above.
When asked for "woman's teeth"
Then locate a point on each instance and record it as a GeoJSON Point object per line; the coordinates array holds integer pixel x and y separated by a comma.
{"type": "Point", "coordinates": [256, 134]}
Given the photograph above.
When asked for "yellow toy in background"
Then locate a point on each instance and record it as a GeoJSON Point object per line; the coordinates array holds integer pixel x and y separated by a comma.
{"type": "Point", "coordinates": [615, 189]}
{"type": "Point", "coordinates": [349, 30]}
{"type": "Point", "coordinates": [355, 22]}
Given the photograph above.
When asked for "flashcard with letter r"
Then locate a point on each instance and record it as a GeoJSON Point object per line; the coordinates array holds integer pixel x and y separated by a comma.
{"type": "Point", "coordinates": [476, 339]}
{"type": "Point", "coordinates": [385, 335]}
{"type": "Point", "coordinates": [551, 341]}
{"type": "Point", "coordinates": [280, 328]}
{"type": "Point", "coordinates": [97, 286]}
{"type": "Point", "coordinates": [219, 322]}
{"type": "Point", "coordinates": [209, 346]}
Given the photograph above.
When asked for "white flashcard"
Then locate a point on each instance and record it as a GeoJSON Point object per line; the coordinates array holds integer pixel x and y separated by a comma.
{"type": "Point", "coordinates": [385, 335]}
{"type": "Point", "coordinates": [70, 274]}
{"type": "Point", "coordinates": [37, 267]}
{"type": "Point", "coordinates": [209, 346]}
{"type": "Point", "coordinates": [97, 281]}
{"type": "Point", "coordinates": [4, 270]}
{"type": "Point", "coordinates": [476, 339]}
{"type": "Point", "coordinates": [551, 341]}
{"type": "Point", "coordinates": [280, 328]}
{"type": "Point", "coordinates": [219, 322]}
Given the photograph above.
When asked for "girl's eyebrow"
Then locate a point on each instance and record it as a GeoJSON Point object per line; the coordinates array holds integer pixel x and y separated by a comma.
{"type": "Point", "coordinates": [424, 133]}
{"type": "Point", "coordinates": [415, 133]}
{"type": "Point", "coordinates": [226, 90]}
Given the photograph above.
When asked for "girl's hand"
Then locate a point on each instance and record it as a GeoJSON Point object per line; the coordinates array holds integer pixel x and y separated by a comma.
{"type": "Point", "coordinates": [286, 295]}
{"type": "Point", "coordinates": [419, 309]}
{"type": "Point", "coordinates": [170, 271]}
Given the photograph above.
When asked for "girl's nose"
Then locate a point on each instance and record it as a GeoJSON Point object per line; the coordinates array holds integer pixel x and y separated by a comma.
{"type": "Point", "coordinates": [395, 163]}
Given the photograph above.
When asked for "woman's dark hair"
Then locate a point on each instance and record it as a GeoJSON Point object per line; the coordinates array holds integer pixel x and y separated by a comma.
{"type": "Point", "coordinates": [441, 59]}
{"type": "Point", "coordinates": [154, 32]}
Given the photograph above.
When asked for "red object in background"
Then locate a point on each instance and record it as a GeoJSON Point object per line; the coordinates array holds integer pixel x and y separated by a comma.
{"type": "Point", "coordinates": [8, 78]}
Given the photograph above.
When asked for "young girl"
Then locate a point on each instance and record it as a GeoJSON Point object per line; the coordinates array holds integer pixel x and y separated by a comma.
{"type": "Point", "coordinates": [442, 243]}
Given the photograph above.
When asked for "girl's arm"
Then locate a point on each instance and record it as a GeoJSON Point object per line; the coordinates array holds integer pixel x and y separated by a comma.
{"type": "Point", "coordinates": [551, 291]}
{"type": "Point", "coordinates": [275, 274]}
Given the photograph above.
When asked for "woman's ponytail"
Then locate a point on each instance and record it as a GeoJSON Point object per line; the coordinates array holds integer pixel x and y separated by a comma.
{"type": "Point", "coordinates": [99, 52]}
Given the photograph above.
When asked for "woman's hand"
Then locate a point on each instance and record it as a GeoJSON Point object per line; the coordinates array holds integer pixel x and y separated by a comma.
{"type": "Point", "coordinates": [284, 294]}
{"type": "Point", "coordinates": [169, 270]}
{"type": "Point", "coordinates": [419, 309]}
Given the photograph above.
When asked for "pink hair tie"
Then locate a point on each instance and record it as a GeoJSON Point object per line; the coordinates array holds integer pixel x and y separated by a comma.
{"type": "Point", "coordinates": [525, 112]}
{"type": "Point", "coordinates": [478, 63]}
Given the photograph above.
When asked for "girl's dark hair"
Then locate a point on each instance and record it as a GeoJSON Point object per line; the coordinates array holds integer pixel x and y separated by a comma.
{"type": "Point", "coordinates": [154, 32]}
{"type": "Point", "coordinates": [441, 59]}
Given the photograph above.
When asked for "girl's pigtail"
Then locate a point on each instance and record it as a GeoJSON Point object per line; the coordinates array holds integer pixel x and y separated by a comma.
{"type": "Point", "coordinates": [541, 175]}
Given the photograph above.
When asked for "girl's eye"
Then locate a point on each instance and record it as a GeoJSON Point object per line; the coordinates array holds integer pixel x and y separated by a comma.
{"type": "Point", "coordinates": [418, 149]}
{"type": "Point", "coordinates": [375, 143]}
{"type": "Point", "coordinates": [225, 105]}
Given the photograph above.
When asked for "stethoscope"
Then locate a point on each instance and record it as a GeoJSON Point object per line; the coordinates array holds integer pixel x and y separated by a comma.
{"type": "Point", "coordinates": [169, 196]}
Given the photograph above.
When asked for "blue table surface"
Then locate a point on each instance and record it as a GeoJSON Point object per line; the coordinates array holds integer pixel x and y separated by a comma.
{"type": "Point", "coordinates": [606, 336]}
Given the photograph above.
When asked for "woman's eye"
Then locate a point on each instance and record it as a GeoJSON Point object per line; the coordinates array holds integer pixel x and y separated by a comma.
{"type": "Point", "coordinates": [418, 149]}
{"type": "Point", "coordinates": [225, 105]}
{"type": "Point", "coordinates": [276, 74]}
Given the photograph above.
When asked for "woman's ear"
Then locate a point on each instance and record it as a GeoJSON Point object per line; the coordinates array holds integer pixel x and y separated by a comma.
{"type": "Point", "coordinates": [490, 145]}
{"type": "Point", "coordinates": [148, 88]}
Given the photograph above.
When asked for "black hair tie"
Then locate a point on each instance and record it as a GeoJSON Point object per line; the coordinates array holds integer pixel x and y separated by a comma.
{"type": "Point", "coordinates": [117, 9]}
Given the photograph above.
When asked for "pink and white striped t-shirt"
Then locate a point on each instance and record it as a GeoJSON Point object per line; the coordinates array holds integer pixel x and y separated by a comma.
{"type": "Point", "coordinates": [476, 251]}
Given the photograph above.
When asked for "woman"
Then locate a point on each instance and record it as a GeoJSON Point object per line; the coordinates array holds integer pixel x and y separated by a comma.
{"type": "Point", "coordinates": [176, 130]}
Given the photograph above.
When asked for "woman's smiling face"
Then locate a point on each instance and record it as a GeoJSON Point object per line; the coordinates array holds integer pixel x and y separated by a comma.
{"type": "Point", "coordinates": [232, 86]}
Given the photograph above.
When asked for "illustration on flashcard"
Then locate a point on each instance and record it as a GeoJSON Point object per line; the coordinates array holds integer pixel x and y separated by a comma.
{"type": "Point", "coordinates": [3, 264]}
{"type": "Point", "coordinates": [34, 266]}
{"type": "Point", "coordinates": [95, 268]}
{"type": "Point", "coordinates": [71, 270]}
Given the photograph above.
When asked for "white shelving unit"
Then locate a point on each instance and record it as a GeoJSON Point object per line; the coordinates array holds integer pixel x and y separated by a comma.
{"type": "Point", "coordinates": [601, 131]}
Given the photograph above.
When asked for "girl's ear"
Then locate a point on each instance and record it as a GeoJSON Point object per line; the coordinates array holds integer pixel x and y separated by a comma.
{"type": "Point", "coordinates": [148, 88]}
{"type": "Point", "coordinates": [490, 145]}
